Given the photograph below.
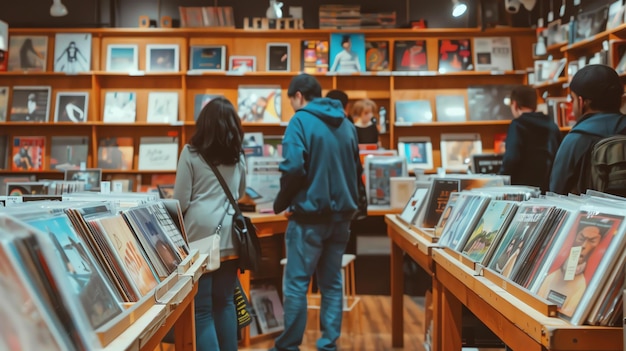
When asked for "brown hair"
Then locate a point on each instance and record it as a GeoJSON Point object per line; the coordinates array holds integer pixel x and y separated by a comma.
{"type": "Point", "coordinates": [525, 96]}
{"type": "Point", "coordinates": [361, 105]}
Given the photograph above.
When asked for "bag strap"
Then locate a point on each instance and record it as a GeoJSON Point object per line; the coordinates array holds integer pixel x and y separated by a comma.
{"type": "Point", "coordinates": [224, 186]}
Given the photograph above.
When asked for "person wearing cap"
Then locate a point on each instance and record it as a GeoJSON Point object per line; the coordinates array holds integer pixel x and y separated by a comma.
{"type": "Point", "coordinates": [531, 141]}
{"type": "Point", "coordinates": [596, 92]}
{"type": "Point", "coordinates": [318, 192]}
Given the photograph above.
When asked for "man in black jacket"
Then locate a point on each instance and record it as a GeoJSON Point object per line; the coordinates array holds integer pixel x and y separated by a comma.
{"type": "Point", "coordinates": [596, 92]}
{"type": "Point", "coordinates": [531, 142]}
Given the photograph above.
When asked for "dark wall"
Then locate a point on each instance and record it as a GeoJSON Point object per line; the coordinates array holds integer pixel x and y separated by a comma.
{"type": "Point", "coordinates": [96, 13]}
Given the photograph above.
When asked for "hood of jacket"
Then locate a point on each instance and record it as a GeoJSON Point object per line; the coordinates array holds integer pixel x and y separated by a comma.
{"type": "Point", "coordinates": [601, 124]}
{"type": "Point", "coordinates": [328, 110]}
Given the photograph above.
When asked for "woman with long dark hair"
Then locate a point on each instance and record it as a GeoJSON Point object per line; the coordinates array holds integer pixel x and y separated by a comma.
{"type": "Point", "coordinates": [218, 140]}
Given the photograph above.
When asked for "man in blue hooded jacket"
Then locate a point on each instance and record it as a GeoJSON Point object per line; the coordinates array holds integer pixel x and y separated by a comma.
{"type": "Point", "coordinates": [318, 191]}
{"type": "Point", "coordinates": [596, 92]}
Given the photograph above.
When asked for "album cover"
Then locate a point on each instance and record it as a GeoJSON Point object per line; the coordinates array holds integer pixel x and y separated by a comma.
{"type": "Point", "coordinates": [489, 102]}
{"type": "Point", "coordinates": [157, 154]}
{"type": "Point", "coordinates": [259, 104]}
{"type": "Point", "coordinates": [468, 210]}
{"type": "Point", "coordinates": [68, 152]}
{"type": "Point", "coordinates": [72, 52]}
{"type": "Point", "coordinates": [418, 152]}
{"type": "Point", "coordinates": [493, 54]}
{"type": "Point", "coordinates": [28, 153]}
{"type": "Point", "coordinates": [457, 150]}
{"type": "Point", "coordinates": [242, 64]}
{"type": "Point", "coordinates": [439, 192]}
{"type": "Point", "coordinates": [590, 23]}
{"type": "Point", "coordinates": [410, 55]}
{"type": "Point", "coordinates": [28, 53]}
{"type": "Point", "coordinates": [413, 111]}
{"type": "Point", "coordinates": [378, 172]}
{"type": "Point", "coordinates": [4, 103]}
{"type": "Point", "coordinates": [72, 107]}
{"type": "Point", "coordinates": [314, 56]}
{"type": "Point", "coordinates": [162, 107]}
{"type": "Point", "coordinates": [253, 144]}
{"type": "Point", "coordinates": [455, 55]}
{"type": "Point", "coordinates": [4, 46]}
{"type": "Point", "coordinates": [122, 58]}
{"type": "Point", "coordinates": [413, 206]}
{"type": "Point", "coordinates": [377, 55]}
{"type": "Point", "coordinates": [278, 57]}
{"type": "Point", "coordinates": [347, 53]}
{"type": "Point", "coordinates": [268, 308]}
{"type": "Point", "coordinates": [450, 108]}
{"type": "Point", "coordinates": [162, 58]}
{"type": "Point", "coordinates": [91, 177]}
{"type": "Point", "coordinates": [30, 104]}
{"type": "Point", "coordinates": [486, 163]}
{"type": "Point", "coordinates": [615, 15]}
{"type": "Point", "coordinates": [199, 101]}
{"type": "Point", "coordinates": [26, 188]}
{"type": "Point", "coordinates": [116, 153]}
{"type": "Point", "coordinates": [120, 107]}
{"type": "Point", "coordinates": [208, 58]}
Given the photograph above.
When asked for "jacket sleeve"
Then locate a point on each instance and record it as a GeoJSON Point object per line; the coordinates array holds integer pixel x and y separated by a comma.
{"type": "Point", "coordinates": [565, 170]}
{"type": "Point", "coordinates": [184, 179]}
{"type": "Point", "coordinates": [513, 145]}
{"type": "Point", "coordinates": [293, 169]}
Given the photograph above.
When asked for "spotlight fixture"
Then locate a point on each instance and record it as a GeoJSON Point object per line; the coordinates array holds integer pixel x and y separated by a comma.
{"type": "Point", "coordinates": [58, 9]}
{"type": "Point", "coordinates": [459, 8]}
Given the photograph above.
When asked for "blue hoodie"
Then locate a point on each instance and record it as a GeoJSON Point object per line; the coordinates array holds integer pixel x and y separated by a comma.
{"type": "Point", "coordinates": [321, 164]}
{"type": "Point", "coordinates": [570, 171]}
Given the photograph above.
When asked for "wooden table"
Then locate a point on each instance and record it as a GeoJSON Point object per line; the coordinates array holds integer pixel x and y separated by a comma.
{"type": "Point", "coordinates": [417, 244]}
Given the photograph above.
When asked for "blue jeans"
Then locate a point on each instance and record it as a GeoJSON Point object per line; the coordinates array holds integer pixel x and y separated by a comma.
{"type": "Point", "coordinates": [313, 248]}
{"type": "Point", "coordinates": [216, 315]}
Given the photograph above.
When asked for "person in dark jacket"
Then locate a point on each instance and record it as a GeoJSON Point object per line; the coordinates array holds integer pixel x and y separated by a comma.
{"type": "Point", "coordinates": [596, 92]}
{"type": "Point", "coordinates": [531, 142]}
{"type": "Point", "coordinates": [318, 190]}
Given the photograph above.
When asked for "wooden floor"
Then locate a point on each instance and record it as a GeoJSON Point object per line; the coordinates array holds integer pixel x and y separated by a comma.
{"type": "Point", "coordinates": [367, 329]}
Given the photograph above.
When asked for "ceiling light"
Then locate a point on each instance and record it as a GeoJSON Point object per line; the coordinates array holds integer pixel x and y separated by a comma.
{"type": "Point", "coordinates": [58, 9]}
{"type": "Point", "coordinates": [459, 8]}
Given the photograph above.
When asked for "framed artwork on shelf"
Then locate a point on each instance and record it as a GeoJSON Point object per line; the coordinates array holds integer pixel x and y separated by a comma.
{"type": "Point", "coordinates": [120, 107]}
{"type": "Point", "coordinates": [30, 104]}
{"type": "Point", "coordinates": [69, 152]}
{"type": "Point", "coordinates": [418, 152]}
{"type": "Point", "coordinates": [278, 57]}
{"type": "Point", "coordinates": [91, 176]}
{"type": "Point", "coordinates": [378, 171]}
{"type": "Point", "coordinates": [450, 108]}
{"type": "Point", "coordinates": [71, 107]}
{"type": "Point", "coordinates": [493, 54]}
{"type": "Point", "coordinates": [259, 104]}
{"type": "Point", "coordinates": [455, 55]}
{"type": "Point", "coordinates": [162, 107]}
{"type": "Point", "coordinates": [347, 53]}
{"type": "Point", "coordinates": [590, 23]}
{"type": "Point", "coordinates": [489, 102]}
{"type": "Point", "coordinates": [314, 56]}
{"type": "Point", "coordinates": [457, 150]}
{"type": "Point", "coordinates": [377, 55]}
{"type": "Point", "coordinates": [410, 55]}
{"type": "Point", "coordinates": [72, 52]}
{"type": "Point", "coordinates": [28, 53]}
{"type": "Point", "coordinates": [122, 58]}
{"type": "Point", "coordinates": [209, 58]}
{"type": "Point", "coordinates": [242, 64]}
{"type": "Point", "coordinates": [162, 58]}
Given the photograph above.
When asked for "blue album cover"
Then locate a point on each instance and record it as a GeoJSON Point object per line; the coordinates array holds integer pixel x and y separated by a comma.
{"type": "Point", "coordinates": [208, 58]}
{"type": "Point", "coordinates": [347, 52]}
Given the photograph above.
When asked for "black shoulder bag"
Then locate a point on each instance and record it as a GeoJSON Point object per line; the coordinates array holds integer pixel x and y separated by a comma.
{"type": "Point", "coordinates": [244, 231]}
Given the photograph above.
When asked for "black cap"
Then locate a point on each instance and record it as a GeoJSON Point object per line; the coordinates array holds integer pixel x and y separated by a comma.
{"type": "Point", "coordinates": [307, 85]}
{"type": "Point", "coordinates": [597, 82]}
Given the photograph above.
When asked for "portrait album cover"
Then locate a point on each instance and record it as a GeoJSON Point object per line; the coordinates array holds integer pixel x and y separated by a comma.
{"type": "Point", "coordinates": [72, 107]}
{"type": "Point", "coordinates": [91, 176]}
{"type": "Point", "coordinates": [278, 57]}
{"type": "Point", "coordinates": [493, 54]}
{"type": "Point", "coordinates": [455, 55]}
{"type": "Point", "coordinates": [162, 107]}
{"type": "Point", "coordinates": [162, 58]}
{"type": "Point", "coordinates": [116, 153]}
{"type": "Point", "coordinates": [450, 108]}
{"type": "Point", "coordinates": [82, 276]}
{"type": "Point", "coordinates": [413, 206]}
{"type": "Point", "coordinates": [158, 153]}
{"type": "Point", "coordinates": [72, 52]}
{"type": "Point", "coordinates": [413, 111]}
{"type": "Point", "coordinates": [438, 194]}
{"type": "Point", "coordinates": [259, 104]}
{"type": "Point", "coordinates": [28, 53]}
{"type": "Point", "coordinates": [347, 53]}
{"type": "Point", "coordinates": [445, 214]}
{"type": "Point", "coordinates": [242, 64]}
{"type": "Point", "coordinates": [378, 172]}
{"type": "Point", "coordinates": [483, 239]}
{"type": "Point", "coordinates": [207, 58]}
{"type": "Point", "coordinates": [489, 102]}
{"type": "Point", "coordinates": [486, 163]}
{"type": "Point", "coordinates": [28, 153]}
{"type": "Point", "coordinates": [418, 152]}
{"type": "Point", "coordinates": [4, 103]}
{"type": "Point", "coordinates": [457, 150]}
{"type": "Point", "coordinates": [120, 107]}
{"type": "Point", "coordinates": [377, 55]}
{"type": "Point", "coordinates": [314, 56]}
{"type": "Point", "coordinates": [122, 58]}
{"type": "Point", "coordinates": [68, 152]}
{"type": "Point", "coordinates": [30, 104]}
{"type": "Point", "coordinates": [410, 55]}
{"type": "Point", "coordinates": [201, 100]}
{"type": "Point", "coordinates": [268, 309]}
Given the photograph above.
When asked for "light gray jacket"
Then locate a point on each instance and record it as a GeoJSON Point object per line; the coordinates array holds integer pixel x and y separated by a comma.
{"type": "Point", "coordinates": [204, 202]}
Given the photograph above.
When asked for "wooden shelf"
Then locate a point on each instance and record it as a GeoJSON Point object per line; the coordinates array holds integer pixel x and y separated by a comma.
{"type": "Point", "coordinates": [460, 124]}
{"type": "Point", "coordinates": [559, 83]}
